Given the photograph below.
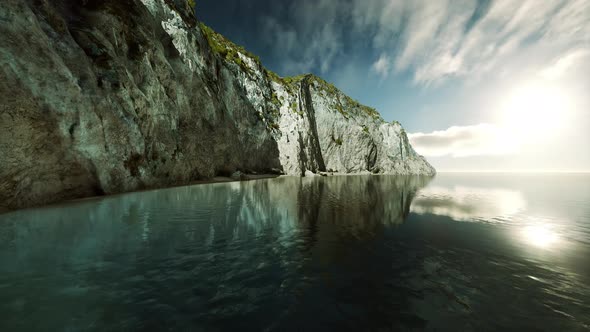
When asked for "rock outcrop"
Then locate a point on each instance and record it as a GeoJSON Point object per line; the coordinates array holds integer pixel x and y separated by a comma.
{"type": "Point", "coordinates": [108, 96]}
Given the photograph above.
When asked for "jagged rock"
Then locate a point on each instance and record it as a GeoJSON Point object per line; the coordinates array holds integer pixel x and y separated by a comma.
{"type": "Point", "coordinates": [276, 171]}
{"type": "Point", "coordinates": [102, 97]}
{"type": "Point", "coordinates": [239, 176]}
{"type": "Point", "coordinates": [309, 174]}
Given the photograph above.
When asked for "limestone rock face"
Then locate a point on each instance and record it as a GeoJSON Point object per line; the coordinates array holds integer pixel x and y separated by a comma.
{"type": "Point", "coordinates": [108, 96]}
{"type": "Point", "coordinates": [327, 130]}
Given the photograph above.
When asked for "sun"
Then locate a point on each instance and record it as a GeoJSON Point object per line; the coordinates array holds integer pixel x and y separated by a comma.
{"type": "Point", "coordinates": [535, 112]}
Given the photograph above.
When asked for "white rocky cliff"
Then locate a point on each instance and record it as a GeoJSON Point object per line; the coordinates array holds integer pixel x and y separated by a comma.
{"type": "Point", "coordinates": [101, 97]}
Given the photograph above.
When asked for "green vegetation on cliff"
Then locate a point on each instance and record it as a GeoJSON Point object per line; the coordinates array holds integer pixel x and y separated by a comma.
{"type": "Point", "coordinates": [229, 51]}
{"type": "Point", "coordinates": [192, 4]}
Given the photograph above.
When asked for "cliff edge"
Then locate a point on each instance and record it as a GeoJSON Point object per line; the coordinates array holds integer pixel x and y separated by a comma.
{"type": "Point", "coordinates": [102, 97]}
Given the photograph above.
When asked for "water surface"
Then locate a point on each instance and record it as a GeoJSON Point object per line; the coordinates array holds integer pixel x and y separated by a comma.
{"type": "Point", "coordinates": [469, 252]}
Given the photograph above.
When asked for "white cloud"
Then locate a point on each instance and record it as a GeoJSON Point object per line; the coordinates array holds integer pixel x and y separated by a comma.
{"type": "Point", "coordinates": [465, 141]}
{"type": "Point", "coordinates": [564, 63]}
{"type": "Point", "coordinates": [381, 66]}
{"type": "Point", "coordinates": [443, 38]}
{"type": "Point", "coordinates": [433, 40]}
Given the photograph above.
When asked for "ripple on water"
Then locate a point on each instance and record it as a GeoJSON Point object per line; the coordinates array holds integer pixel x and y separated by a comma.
{"type": "Point", "coordinates": [339, 253]}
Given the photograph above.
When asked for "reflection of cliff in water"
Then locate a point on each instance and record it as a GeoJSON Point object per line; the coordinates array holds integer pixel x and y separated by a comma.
{"type": "Point", "coordinates": [250, 243]}
{"type": "Point", "coordinates": [352, 207]}
{"type": "Point", "coordinates": [357, 205]}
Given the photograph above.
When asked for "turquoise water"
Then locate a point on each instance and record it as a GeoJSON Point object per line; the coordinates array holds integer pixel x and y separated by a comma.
{"type": "Point", "coordinates": [468, 252]}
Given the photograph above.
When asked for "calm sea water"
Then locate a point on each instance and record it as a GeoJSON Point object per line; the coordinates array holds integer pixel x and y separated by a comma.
{"type": "Point", "coordinates": [460, 252]}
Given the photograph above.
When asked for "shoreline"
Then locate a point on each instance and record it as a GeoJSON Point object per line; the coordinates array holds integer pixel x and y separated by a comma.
{"type": "Point", "coordinates": [216, 179]}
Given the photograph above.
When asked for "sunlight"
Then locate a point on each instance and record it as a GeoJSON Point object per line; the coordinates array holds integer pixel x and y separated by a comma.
{"type": "Point", "coordinates": [469, 203]}
{"type": "Point", "coordinates": [539, 236]}
{"type": "Point", "coordinates": [535, 112]}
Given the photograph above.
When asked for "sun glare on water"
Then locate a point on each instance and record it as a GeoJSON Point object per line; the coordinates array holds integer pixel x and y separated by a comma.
{"type": "Point", "coordinates": [540, 236]}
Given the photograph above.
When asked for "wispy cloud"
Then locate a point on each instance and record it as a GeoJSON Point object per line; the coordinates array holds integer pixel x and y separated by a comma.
{"type": "Point", "coordinates": [465, 38]}
{"type": "Point", "coordinates": [382, 66]}
{"type": "Point", "coordinates": [565, 63]}
{"type": "Point", "coordinates": [311, 37]}
{"type": "Point", "coordinates": [465, 141]}
{"type": "Point", "coordinates": [432, 40]}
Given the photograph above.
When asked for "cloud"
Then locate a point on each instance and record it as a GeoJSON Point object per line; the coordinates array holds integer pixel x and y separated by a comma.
{"type": "Point", "coordinates": [381, 66]}
{"type": "Point", "coordinates": [564, 64]}
{"type": "Point", "coordinates": [431, 40]}
{"type": "Point", "coordinates": [465, 141]}
{"type": "Point", "coordinates": [310, 37]}
{"type": "Point", "coordinates": [465, 38]}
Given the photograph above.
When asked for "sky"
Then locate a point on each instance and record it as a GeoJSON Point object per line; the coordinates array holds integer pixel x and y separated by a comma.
{"type": "Point", "coordinates": [480, 85]}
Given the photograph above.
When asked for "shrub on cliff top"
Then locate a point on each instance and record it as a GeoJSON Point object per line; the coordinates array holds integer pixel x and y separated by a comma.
{"type": "Point", "coordinates": [228, 50]}
{"type": "Point", "coordinates": [192, 4]}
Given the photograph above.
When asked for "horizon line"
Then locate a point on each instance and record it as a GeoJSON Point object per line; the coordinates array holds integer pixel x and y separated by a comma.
{"type": "Point", "coordinates": [512, 171]}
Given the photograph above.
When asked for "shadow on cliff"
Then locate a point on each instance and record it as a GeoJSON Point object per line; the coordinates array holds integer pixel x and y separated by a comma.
{"type": "Point", "coordinates": [97, 99]}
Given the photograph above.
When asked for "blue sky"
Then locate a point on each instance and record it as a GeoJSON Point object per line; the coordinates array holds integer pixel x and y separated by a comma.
{"type": "Point", "coordinates": [481, 85]}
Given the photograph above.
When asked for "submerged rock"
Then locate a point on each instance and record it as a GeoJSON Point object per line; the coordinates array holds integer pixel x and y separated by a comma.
{"type": "Point", "coordinates": [103, 97]}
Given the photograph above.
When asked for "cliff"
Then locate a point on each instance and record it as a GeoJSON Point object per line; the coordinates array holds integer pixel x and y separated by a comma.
{"type": "Point", "coordinates": [102, 97]}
